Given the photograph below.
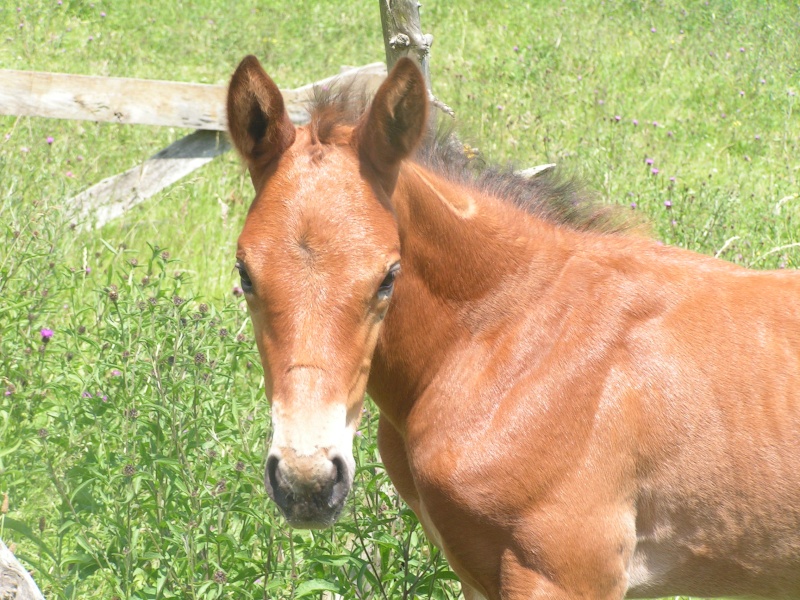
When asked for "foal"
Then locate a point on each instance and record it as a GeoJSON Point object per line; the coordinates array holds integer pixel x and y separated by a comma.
{"type": "Point", "coordinates": [569, 412]}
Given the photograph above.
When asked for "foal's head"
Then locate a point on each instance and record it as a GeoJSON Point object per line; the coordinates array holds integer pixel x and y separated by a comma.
{"type": "Point", "coordinates": [318, 257]}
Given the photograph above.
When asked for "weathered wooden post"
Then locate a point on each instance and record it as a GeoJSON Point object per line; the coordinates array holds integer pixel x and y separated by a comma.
{"type": "Point", "coordinates": [402, 36]}
{"type": "Point", "coordinates": [15, 582]}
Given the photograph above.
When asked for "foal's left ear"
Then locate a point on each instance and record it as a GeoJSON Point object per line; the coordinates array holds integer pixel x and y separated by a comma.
{"type": "Point", "coordinates": [395, 122]}
{"type": "Point", "coordinates": [257, 120]}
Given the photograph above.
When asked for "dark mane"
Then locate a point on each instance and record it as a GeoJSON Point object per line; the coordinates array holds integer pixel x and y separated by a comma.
{"type": "Point", "coordinates": [549, 195]}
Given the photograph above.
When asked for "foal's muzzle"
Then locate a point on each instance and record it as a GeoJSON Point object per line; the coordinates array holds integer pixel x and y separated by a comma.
{"type": "Point", "coordinates": [309, 490]}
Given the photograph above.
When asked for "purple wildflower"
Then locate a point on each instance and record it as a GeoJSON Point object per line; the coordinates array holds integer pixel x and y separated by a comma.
{"type": "Point", "coordinates": [652, 30]}
{"type": "Point", "coordinates": [672, 179]}
{"type": "Point", "coordinates": [91, 37]}
{"type": "Point", "coordinates": [758, 137]}
{"type": "Point", "coordinates": [50, 139]}
{"type": "Point", "coordinates": [635, 122]}
{"type": "Point", "coordinates": [102, 14]}
{"type": "Point", "coordinates": [86, 395]}
{"type": "Point", "coordinates": [669, 134]}
{"type": "Point", "coordinates": [763, 80]}
{"type": "Point", "coordinates": [655, 123]}
{"type": "Point", "coordinates": [649, 161]}
{"type": "Point", "coordinates": [667, 204]}
{"type": "Point", "coordinates": [516, 48]}
{"type": "Point", "coordinates": [741, 49]}
{"type": "Point", "coordinates": [617, 118]}
{"type": "Point", "coordinates": [69, 174]}
{"type": "Point", "coordinates": [633, 205]}
{"type": "Point", "coordinates": [116, 372]}
{"type": "Point", "coordinates": [46, 335]}
{"type": "Point", "coordinates": [741, 93]}
{"type": "Point", "coordinates": [654, 171]}
{"type": "Point", "coordinates": [237, 291]}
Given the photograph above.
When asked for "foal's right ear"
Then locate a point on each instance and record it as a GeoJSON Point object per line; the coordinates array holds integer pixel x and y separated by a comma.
{"type": "Point", "coordinates": [257, 120]}
{"type": "Point", "coordinates": [395, 122]}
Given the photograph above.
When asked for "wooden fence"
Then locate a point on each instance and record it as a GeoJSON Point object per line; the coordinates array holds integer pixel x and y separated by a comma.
{"type": "Point", "coordinates": [147, 102]}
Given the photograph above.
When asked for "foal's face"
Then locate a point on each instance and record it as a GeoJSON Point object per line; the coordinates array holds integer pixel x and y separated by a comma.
{"type": "Point", "coordinates": [318, 257]}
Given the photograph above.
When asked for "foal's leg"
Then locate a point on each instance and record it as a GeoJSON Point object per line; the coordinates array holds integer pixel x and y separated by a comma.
{"type": "Point", "coordinates": [470, 593]}
{"type": "Point", "coordinates": [570, 553]}
{"type": "Point", "coordinates": [393, 455]}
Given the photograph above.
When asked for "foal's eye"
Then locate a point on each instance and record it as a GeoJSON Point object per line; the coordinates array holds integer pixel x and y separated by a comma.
{"type": "Point", "coordinates": [387, 285]}
{"type": "Point", "coordinates": [247, 285]}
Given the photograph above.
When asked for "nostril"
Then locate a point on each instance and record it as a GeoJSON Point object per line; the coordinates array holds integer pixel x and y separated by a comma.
{"type": "Point", "coordinates": [341, 469]}
{"type": "Point", "coordinates": [272, 475]}
{"type": "Point", "coordinates": [341, 485]}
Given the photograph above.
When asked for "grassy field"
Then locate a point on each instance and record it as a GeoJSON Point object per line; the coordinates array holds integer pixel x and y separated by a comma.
{"type": "Point", "coordinates": [132, 438]}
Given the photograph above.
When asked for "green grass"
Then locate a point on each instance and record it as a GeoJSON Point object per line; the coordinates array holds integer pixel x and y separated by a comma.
{"type": "Point", "coordinates": [168, 501]}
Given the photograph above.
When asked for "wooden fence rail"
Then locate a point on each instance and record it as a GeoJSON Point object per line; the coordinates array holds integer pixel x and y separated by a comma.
{"type": "Point", "coordinates": [148, 102]}
{"type": "Point", "coordinates": [144, 101]}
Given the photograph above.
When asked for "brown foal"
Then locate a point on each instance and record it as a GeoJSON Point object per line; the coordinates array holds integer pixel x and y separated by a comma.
{"type": "Point", "coordinates": [570, 412]}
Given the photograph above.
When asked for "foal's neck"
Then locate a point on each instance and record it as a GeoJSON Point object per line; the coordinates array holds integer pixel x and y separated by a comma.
{"type": "Point", "coordinates": [469, 261]}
